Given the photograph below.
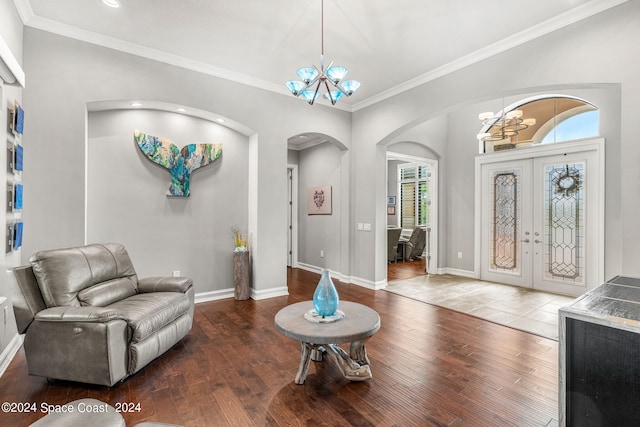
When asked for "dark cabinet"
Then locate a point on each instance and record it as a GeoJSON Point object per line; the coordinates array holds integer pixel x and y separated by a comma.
{"type": "Point", "coordinates": [600, 356]}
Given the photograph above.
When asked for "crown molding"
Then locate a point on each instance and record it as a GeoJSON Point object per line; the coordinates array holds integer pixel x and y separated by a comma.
{"type": "Point", "coordinates": [24, 10]}
{"type": "Point", "coordinates": [10, 70]}
{"type": "Point", "coordinates": [557, 22]}
{"type": "Point", "coordinates": [102, 40]}
{"type": "Point", "coordinates": [560, 21]}
{"type": "Point", "coordinates": [76, 33]}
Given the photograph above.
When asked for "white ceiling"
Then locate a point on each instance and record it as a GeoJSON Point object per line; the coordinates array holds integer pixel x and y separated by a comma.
{"type": "Point", "coordinates": [388, 45]}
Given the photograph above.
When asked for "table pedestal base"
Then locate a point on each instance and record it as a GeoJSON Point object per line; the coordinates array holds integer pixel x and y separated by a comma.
{"type": "Point", "coordinates": [354, 366]}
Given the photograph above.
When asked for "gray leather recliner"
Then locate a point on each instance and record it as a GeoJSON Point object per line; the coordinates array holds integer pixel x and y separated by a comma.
{"type": "Point", "coordinates": [88, 318]}
{"type": "Point", "coordinates": [414, 247]}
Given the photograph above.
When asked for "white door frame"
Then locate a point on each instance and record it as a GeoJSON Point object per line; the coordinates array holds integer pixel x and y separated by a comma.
{"type": "Point", "coordinates": [432, 264]}
{"type": "Point", "coordinates": [294, 214]}
{"type": "Point", "coordinates": [595, 144]}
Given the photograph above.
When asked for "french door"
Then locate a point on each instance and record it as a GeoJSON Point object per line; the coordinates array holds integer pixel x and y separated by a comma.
{"type": "Point", "coordinates": [540, 222]}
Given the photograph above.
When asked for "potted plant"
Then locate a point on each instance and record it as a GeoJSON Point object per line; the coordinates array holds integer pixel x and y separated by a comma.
{"type": "Point", "coordinates": [239, 239]}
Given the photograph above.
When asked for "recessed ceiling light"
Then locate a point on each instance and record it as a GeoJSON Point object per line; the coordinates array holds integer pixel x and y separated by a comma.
{"type": "Point", "coordinates": [220, 120]}
{"type": "Point", "coordinates": [136, 104]}
{"type": "Point", "coordinates": [111, 3]}
{"type": "Point", "coordinates": [181, 110]}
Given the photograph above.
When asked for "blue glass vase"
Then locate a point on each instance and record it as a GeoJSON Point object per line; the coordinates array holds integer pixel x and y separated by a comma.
{"type": "Point", "coordinates": [325, 298]}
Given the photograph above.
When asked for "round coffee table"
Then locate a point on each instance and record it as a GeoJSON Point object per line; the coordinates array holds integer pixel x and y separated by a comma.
{"type": "Point", "coordinates": [358, 325]}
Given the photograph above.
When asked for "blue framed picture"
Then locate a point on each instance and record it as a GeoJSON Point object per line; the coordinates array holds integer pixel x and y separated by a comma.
{"type": "Point", "coordinates": [18, 228]}
{"type": "Point", "coordinates": [18, 153]}
{"type": "Point", "coordinates": [18, 119]}
{"type": "Point", "coordinates": [17, 196]}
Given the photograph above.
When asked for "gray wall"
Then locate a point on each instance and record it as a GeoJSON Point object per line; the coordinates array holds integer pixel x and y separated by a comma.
{"type": "Point", "coordinates": [11, 33]}
{"type": "Point", "coordinates": [66, 74]}
{"type": "Point", "coordinates": [127, 202]}
{"type": "Point", "coordinates": [460, 172]}
{"type": "Point", "coordinates": [588, 55]}
{"type": "Point", "coordinates": [320, 165]}
{"type": "Point", "coordinates": [591, 55]}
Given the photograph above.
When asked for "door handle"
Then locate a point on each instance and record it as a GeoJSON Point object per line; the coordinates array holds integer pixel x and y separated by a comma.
{"type": "Point", "coordinates": [525, 240]}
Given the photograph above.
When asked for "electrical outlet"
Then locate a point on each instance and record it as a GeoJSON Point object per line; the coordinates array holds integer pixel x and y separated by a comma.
{"type": "Point", "coordinates": [459, 255]}
{"type": "Point", "coordinates": [176, 273]}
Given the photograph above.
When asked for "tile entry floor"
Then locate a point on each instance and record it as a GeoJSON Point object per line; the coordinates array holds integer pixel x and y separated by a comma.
{"type": "Point", "coordinates": [520, 308]}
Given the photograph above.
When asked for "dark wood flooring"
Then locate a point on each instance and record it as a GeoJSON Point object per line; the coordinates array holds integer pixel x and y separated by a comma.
{"type": "Point", "coordinates": [406, 269]}
{"type": "Point", "coordinates": [431, 367]}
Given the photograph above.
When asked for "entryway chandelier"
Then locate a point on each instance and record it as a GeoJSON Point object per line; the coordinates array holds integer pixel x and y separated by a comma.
{"type": "Point", "coordinates": [503, 125]}
{"type": "Point", "coordinates": [312, 76]}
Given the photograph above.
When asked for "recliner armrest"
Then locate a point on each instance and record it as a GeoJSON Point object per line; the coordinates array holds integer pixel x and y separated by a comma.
{"type": "Point", "coordinates": [164, 284]}
{"type": "Point", "coordinates": [78, 314]}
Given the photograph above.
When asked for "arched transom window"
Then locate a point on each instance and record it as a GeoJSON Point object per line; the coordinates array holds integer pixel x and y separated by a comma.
{"type": "Point", "coordinates": [540, 120]}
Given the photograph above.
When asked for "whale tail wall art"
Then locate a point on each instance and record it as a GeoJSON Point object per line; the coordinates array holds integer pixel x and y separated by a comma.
{"type": "Point", "coordinates": [181, 163]}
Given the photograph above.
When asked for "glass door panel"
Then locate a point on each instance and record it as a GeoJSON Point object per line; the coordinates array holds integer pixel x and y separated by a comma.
{"type": "Point", "coordinates": [506, 207]}
{"type": "Point", "coordinates": [566, 221]}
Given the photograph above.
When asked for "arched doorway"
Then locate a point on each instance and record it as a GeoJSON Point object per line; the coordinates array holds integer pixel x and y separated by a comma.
{"type": "Point", "coordinates": [539, 208]}
{"type": "Point", "coordinates": [412, 210]}
{"type": "Point", "coordinates": [315, 240]}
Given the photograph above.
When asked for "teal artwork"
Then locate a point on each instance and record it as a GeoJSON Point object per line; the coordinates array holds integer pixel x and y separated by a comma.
{"type": "Point", "coordinates": [181, 163]}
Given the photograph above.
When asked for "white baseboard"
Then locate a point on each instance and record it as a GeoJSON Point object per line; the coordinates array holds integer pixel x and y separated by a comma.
{"type": "Point", "coordinates": [369, 284]}
{"type": "Point", "coordinates": [283, 290]}
{"type": "Point", "coordinates": [9, 353]}
{"type": "Point", "coordinates": [311, 268]}
{"type": "Point", "coordinates": [214, 295]}
{"type": "Point", "coordinates": [269, 293]}
{"type": "Point", "coordinates": [230, 293]}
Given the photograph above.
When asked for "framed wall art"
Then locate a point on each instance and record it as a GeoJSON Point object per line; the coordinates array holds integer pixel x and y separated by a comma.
{"type": "Point", "coordinates": [319, 200]}
{"type": "Point", "coordinates": [16, 120]}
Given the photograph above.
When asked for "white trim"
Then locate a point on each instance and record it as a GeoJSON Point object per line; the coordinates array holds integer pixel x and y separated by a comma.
{"type": "Point", "coordinates": [24, 10]}
{"type": "Point", "coordinates": [392, 155]}
{"type": "Point", "coordinates": [269, 293]}
{"type": "Point", "coordinates": [252, 203]}
{"type": "Point", "coordinates": [86, 174]}
{"type": "Point", "coordinates": [10, 352]}
{"type": "Point", "coordinates": [369, 284]}
{"type": "Point", "coordinates": [294, 215]}
{"type": "Point", "coordinates": [365, 283]}
{"type": "Point", "coordinates": [433, 164]}
{"type": "Point", "coordinates": [318, 270]}
{"type": "Point", "coordinates": [214, 295]}
{"type": "Point", "coordinates": [562, 20]}
{"type": "Point", "coordinates": [230, 293]}
{"type": "Point", "coordinates": [10, 65]}
{"type": "Point", "coordinates": [98, 39]}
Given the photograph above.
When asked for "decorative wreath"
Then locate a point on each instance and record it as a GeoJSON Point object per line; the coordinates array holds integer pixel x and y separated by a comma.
{"type": "Point", "coordinates": [568, 182]}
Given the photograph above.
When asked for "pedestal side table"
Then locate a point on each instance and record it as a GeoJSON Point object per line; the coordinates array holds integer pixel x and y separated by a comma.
{"type": "Point", "coordinates": [358, 325]}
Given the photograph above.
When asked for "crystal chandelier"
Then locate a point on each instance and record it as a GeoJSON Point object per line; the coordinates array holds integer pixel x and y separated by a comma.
{"type": "Point", "coordinates": [503, 125]}
{"type": "Point", "coordinates": [332, 75]}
